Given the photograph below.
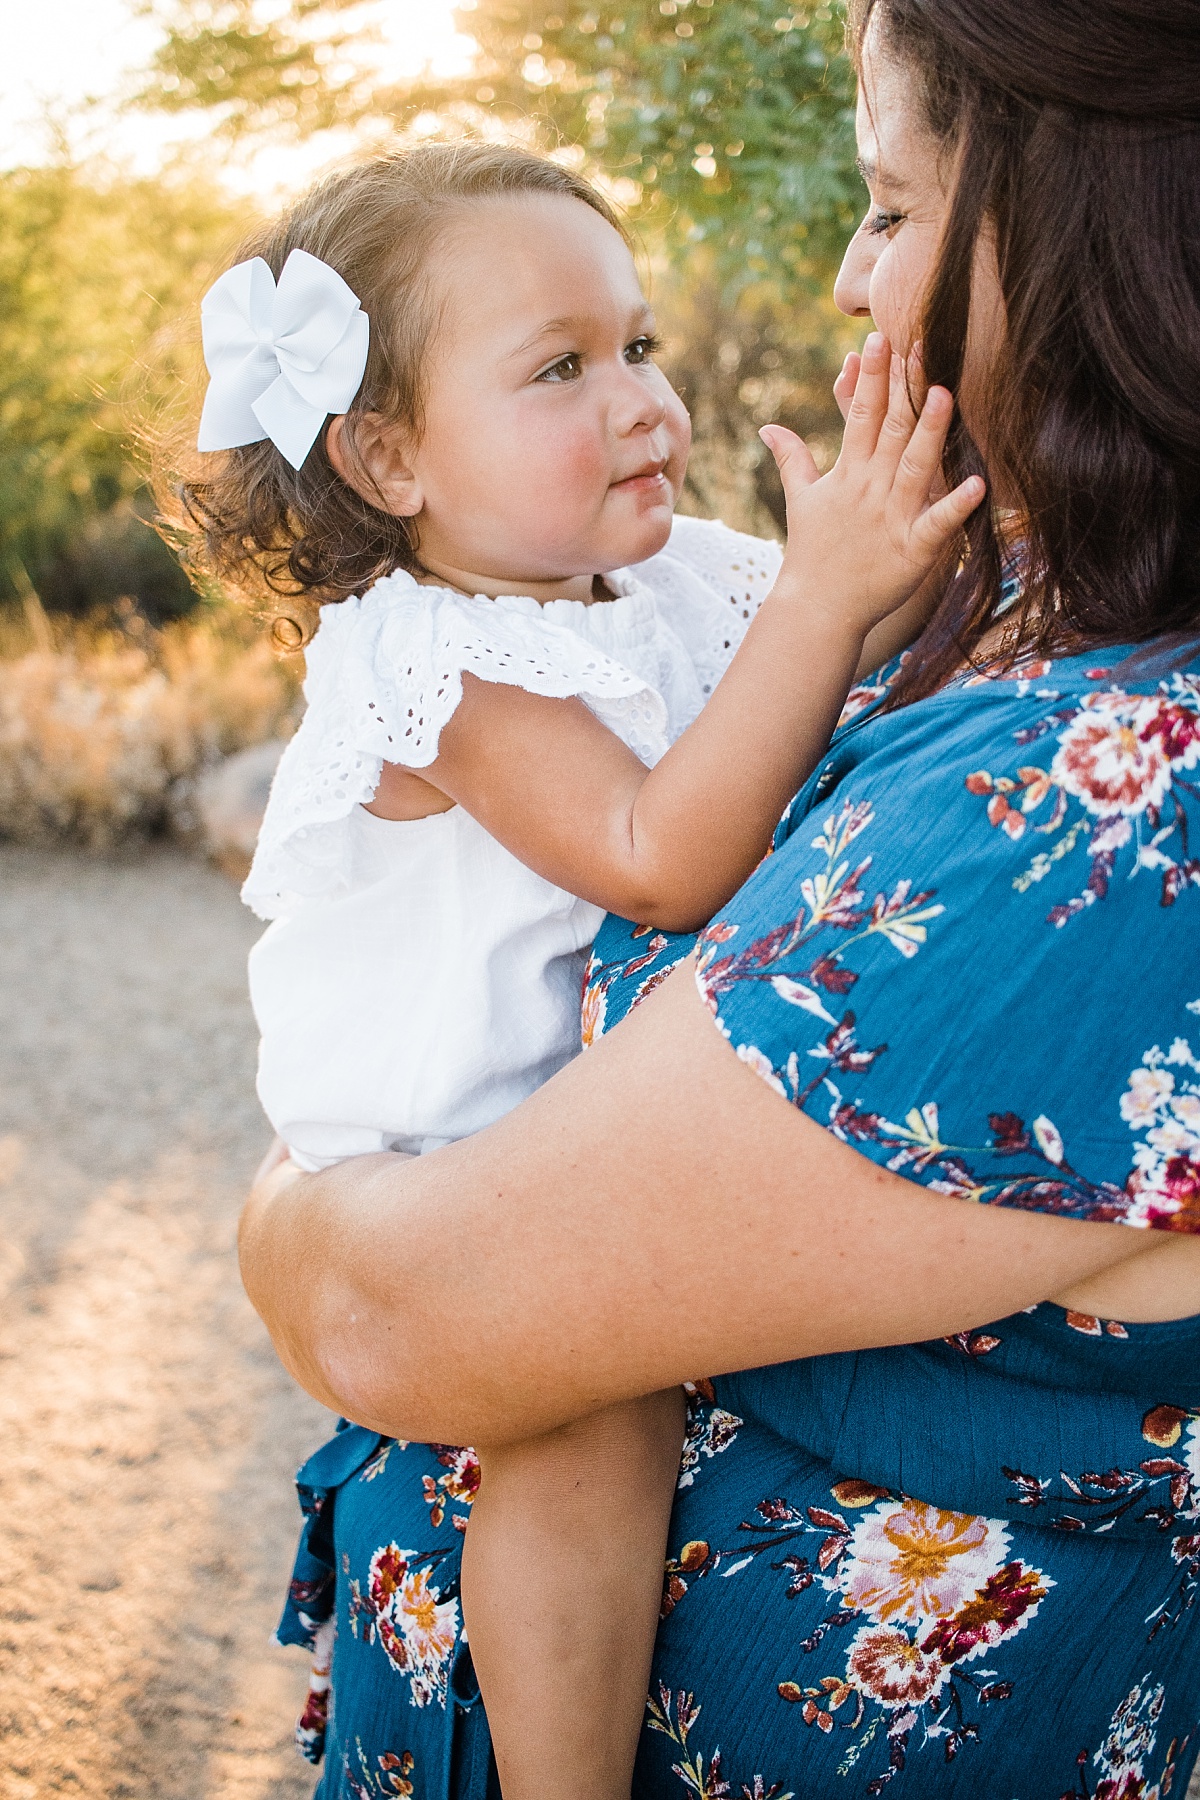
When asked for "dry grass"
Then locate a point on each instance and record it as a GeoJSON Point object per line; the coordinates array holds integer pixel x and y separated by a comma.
{"type": "Point", "coordinates": [104, 725]}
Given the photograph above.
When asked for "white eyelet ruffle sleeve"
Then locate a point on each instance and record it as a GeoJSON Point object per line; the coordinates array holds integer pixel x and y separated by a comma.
{"type": "Point", "coordinates": [384, 678]}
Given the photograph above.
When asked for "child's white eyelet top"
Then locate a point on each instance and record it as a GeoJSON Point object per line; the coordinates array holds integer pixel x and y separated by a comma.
{"type": "Point", "coordinates": [418, 981]}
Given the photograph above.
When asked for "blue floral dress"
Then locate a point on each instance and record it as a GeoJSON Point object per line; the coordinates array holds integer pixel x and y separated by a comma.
{"type": "Point", "coordinates": [958, 1568]}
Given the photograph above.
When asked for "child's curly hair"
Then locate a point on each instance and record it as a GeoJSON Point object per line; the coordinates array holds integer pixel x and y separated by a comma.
{"type": "Point", "coordinates": [244, 517]}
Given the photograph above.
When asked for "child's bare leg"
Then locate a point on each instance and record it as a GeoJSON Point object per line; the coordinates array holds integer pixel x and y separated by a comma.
{"type": "Point", "coordinates": [562, 1584]}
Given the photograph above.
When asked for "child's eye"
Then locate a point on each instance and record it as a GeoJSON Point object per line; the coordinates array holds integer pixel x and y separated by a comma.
{"type": "Point", "coordinates": [642, 349]}
{"type": "Point", "coordinates": [567, 368]}
{"type": "Point", "coordinates": [882, 224]}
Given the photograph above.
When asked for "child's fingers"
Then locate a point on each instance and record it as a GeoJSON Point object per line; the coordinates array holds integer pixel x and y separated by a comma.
{"type": "Point", "coordinates": [949, 514]}
{"type": "Point", "coordinates": [918, 387]}
{"type": "Point", "coordinates": [793, 458]}
{"type": "Point", "coordinates": [918, 467]}
{"type": "Point", "coordinates": [843, 387]}
{"type": "Point", "coordinates": [868, 409]}
{"type": "Point", "coordinates": [900, 420]}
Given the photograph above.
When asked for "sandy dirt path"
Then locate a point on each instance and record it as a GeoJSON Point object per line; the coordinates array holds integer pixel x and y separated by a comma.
{"type": "Point", "coordinates": [147, 1434]}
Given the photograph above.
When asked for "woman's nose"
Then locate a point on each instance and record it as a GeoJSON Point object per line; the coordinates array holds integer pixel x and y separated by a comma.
{"type": "Point", "coordinates": [852, 289]}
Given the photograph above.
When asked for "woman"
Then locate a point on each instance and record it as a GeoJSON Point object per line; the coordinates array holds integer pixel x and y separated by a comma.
{"type": "Point", "coordinates": [956, 1543]}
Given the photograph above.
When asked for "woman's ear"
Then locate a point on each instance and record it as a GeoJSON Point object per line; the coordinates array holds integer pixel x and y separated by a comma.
{"type": "Point", "coordinates": [372, 458]}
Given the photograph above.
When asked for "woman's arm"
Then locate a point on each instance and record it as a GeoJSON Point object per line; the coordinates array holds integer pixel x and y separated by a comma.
{"type": "Point", "coordinates": [654, 1213]}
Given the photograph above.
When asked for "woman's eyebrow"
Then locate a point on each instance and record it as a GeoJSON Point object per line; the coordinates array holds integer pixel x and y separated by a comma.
{"type": "Point", "coordinates": [878, 179]}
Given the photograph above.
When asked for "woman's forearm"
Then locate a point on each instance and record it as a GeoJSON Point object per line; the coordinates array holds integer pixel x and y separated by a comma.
{"type": "Point", "coordinates": [655, 1213]}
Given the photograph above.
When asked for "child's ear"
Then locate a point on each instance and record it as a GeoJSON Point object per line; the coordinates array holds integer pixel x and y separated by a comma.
{"type": "Point", "coordinates": [371, 457]}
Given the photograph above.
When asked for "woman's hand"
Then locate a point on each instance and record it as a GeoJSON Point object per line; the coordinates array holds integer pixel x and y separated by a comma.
{"type": "Point", "coordinates": [862, 538]}
{"type": "Point", "coordinates": [653, 1214]}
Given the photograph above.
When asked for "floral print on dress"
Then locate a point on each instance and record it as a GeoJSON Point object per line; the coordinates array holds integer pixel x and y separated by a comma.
{"type": "Point", "coordinates": [1161, 1190]}
{"type": "Point", "coordinates": [709, 1430]}
{"type": "Point", "coordinates": [401, 1608]}
{"type": "Point", "coordinates": [648, 962]}
{"type": "Point", "coordinates": [799, 966]}
{"type": "Point", "coordinates": [919, 1593]}
{"type": "Point", "coordinates": [675, 1717]}
{"type": "Point", "coordinates": [383, 1777]}
{"type": "Point", "coordinates": [1121, 1768]}
{"type": "Point", "coordinates": [1163, 1100]}
{"type": "Point", "coordinates": [1162, 1491]}
{"type": "Point", "coordinates": [928, 1591]}
{"type": "Point", "coordinates": [834, 902]}
{"type": "Point", "coordinates": [459, 1484]}
{"type": "Point", "coordinates": [313, 1723]}
{"type": "Point", "coordinates": [1117, 784]}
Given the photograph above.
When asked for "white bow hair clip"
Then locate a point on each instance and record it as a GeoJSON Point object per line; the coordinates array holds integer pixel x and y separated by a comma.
{"type": "Point", "coordinates": [281, 357]}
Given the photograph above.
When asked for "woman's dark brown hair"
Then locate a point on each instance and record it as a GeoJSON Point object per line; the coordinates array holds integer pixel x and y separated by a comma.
{"type": "Point", "coordinates": [1072, 130]}
{"type": "Point", "coordinates": [245, 518]}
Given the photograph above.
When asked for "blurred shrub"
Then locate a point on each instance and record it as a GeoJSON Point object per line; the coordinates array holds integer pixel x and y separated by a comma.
{"type": "Point", "coordinates": [105, 723]}
{"type": "Point", "coordinates": [92, 263]}
{"type": "Point", "coordinates": [729, 123]}
{"type": "Point", "coordinates": [115, 556]}
{"type": "Point", "coordinates": [739, 366]}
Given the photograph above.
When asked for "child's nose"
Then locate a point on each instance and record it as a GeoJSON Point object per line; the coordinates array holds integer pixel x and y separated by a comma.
{"type": "Point", "coordinates": [639, 406]}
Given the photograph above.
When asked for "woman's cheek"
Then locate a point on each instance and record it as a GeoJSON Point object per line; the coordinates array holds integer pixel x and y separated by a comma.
{"type": "Point", "coordinates": [898, 291]}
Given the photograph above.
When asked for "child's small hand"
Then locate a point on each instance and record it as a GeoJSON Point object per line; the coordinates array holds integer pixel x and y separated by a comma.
{"type": "Point", "coordinates": [847, 381]}
{"type": "Point", "coordinates": [862, 538]}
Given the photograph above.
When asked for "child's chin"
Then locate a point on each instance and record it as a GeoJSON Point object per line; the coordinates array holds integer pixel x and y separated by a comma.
{"type": "Point", "coordinates": [649, 535]}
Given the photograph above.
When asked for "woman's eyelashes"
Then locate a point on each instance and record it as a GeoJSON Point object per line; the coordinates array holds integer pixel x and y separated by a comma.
{"type": "Point", "coordinates": [882, 223]}
{"type": "Point", "coordinates": [570, 367]}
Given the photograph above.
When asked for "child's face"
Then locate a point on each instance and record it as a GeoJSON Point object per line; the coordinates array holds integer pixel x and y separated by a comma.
{"type": "Point", "coordinates": [553, 446]}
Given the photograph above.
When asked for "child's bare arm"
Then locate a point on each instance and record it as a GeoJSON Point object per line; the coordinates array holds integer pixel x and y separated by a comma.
{"type": "Point", "coordinates": [904, 626]}
{"type": "Point", "coordinates": [670, 845]}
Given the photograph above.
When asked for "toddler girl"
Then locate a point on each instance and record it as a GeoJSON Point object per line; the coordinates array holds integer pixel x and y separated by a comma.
{"type": "Point", "coordinates": [533, 695]}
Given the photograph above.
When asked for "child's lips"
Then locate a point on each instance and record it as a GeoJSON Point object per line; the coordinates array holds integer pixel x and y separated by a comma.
{"type": "Point", "coordinates": [651, 479]}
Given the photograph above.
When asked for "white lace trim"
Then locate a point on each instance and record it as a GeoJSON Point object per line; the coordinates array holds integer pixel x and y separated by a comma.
{"type": "Point", "coordinates": [737, 573]}
{"type": "Point", "coordinates": [384, 677]}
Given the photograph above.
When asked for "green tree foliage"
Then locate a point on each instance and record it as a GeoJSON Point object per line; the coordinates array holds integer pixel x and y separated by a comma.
{"type": "Point", "coordinates": [91, 264]}
{"type": "Point", "coordinates": [290, 71]}
{"type": "Point", "coordinates": [732, 118]}
{"type": "Point", "coordinates": [730, 122]}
